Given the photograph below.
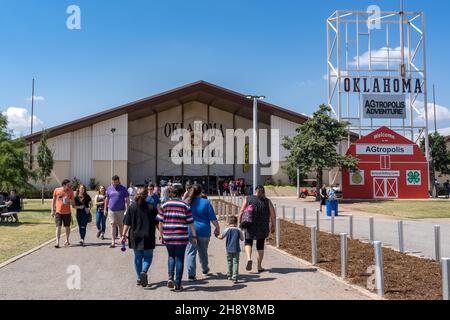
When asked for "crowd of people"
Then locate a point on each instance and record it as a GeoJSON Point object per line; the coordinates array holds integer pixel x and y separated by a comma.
{"type": "Point", "coordinates": [182, 218]}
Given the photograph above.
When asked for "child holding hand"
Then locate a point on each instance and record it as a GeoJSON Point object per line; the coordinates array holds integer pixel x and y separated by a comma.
{"type": "Point", "coordinates": [233, 236]}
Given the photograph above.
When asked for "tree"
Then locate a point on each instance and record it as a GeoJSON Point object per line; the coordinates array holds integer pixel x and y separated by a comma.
{"type": "Point", "coordinates": [45, 162]}
{"type": "Point", "coordinates": [440, 156]}
{"type": "Point", "coordinates": [314, 148]}
{"type": "Point", "coordinates": [14, 161]}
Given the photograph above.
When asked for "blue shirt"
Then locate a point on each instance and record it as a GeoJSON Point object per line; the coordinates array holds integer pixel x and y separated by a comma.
{"type": "Point", "coordinates": [203, 214]}
{"type": "Point", "coordinates": [234, 237]}
{"type": "Point", "coordinates": [153, 200]}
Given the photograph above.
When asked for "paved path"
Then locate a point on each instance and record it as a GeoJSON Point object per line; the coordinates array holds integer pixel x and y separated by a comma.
{"type": "Point", "coordinates": [418, 234]}
{"type": "Point", "coordinates": [108, 274]}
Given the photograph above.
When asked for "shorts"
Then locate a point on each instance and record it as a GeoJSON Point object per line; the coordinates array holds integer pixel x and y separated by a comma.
{"type": "Point", "coordinates": [116, 217]}
{"type": "Point", "coordinates": [259, 244]}
{"type": "Point", "coordinates": [63, 219]}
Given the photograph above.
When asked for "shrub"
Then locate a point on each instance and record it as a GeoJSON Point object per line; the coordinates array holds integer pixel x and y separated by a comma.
{"type": "Point", "coordinates": [93, 185]}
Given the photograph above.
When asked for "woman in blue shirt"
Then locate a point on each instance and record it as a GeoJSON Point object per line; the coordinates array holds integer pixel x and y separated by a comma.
{"type": "Point", "coordinates": [204, 216]}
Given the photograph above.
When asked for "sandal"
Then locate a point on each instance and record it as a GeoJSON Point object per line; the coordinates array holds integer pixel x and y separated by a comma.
{"type": "Point", "coordinates": [261, 270]}
{"type": "Point", "coordinates": [249, 265]}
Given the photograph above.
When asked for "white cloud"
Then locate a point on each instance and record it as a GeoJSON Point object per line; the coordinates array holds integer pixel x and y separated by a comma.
{"type": "Point", "coordinates": [343, 74]}
{"type": "Point", "coordinates": [37, 98]}
{"type": "Point", "coordinates": [19, 120]}
{"type": "Point", "coordinates": [380, 57]}
{"type": "Point", "coordinates": [442, 112]}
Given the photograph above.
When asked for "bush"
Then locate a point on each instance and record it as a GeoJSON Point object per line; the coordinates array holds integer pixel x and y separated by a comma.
{"type": "Point", "coordinates": [269, 183]}
{"type": "Point", "coordinates": [93, 185]}
{"type": "Point", "coordinates": [37, 194]}
{"type": "Point", "coordinates": [75, 183]}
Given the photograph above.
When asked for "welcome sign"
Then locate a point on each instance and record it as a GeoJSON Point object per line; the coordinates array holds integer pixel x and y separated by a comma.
{"type": "Point", "coordinates": [384, 106]}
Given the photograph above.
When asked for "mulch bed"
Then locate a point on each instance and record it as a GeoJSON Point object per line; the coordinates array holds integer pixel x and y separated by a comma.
{"type": "Point", "coordinates": [406, 277]}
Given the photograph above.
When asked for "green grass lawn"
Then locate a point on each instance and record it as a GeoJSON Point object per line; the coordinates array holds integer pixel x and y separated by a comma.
{"type": "Point", "coordinates": [36, 227]}
{"type": "Point", "coordinates": [431, 209]}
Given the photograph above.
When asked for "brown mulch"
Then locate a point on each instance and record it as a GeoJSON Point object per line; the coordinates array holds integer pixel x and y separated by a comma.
{"type": "Point", "coordinates": [406, 277]}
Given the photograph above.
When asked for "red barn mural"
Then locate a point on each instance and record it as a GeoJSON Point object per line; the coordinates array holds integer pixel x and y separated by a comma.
{"type": "Point", "coordinates": [391, 167]}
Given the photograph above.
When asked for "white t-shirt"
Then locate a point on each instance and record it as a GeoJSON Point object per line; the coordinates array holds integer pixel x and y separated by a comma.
{"type": "Point", "coordinates": [132, 192]}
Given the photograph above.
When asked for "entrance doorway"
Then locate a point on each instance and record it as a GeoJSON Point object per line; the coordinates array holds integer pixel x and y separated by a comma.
{"type": "Point", "coordinates": [385, 188]}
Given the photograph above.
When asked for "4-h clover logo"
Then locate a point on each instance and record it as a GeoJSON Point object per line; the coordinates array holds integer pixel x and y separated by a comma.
{"type": "Point", "coordinates": [414, 177]}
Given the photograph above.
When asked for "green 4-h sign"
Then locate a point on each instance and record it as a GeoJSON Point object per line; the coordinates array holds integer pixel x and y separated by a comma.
{"type": "Point", "coordinates": [413, 177]}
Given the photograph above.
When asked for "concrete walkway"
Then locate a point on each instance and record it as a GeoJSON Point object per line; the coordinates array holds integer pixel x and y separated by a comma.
{"type": "Point", "coordinates": [108, 274]}
{"type": "Point", "coordinates": [418, 234]}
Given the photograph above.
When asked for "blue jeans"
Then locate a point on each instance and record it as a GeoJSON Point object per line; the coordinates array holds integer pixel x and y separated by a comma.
{"type": "Point", "coordinates": [176, 262]}
{"type": "Point", "coordinates": [202, 250]}
{"type": "Point", "coordinates": [101, 221]}
{"type": "Point", "coordinates": [82, 220]}
{"type": "Point", "coordinates": [142, 261]}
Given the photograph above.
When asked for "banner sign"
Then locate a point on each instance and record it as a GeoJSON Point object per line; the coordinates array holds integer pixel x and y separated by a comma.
{"type": "Point", "coordinates": [384, 106]}
{"type": "Point", "coordinates": [390, 149]}
{"type": "Point", "coordinates": [385, 174]}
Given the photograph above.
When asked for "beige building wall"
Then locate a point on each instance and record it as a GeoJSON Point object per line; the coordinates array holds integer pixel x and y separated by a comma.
{"type": "Point", "coordinates": [102, 171]}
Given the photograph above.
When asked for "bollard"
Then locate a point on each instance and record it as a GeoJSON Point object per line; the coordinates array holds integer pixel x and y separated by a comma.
{"type": "Point", "coordinates": [304, 217]}
{"type": "Point", "coordinates": [344, 255]}
{"type": "Point", "coordinates": [294, 213]}
{"type": "Point", "coordinates": [350, 227]}
{"type": "Point", "coordinates": [314, 245]}
{"type": "Point", "coordinates": [318, 220]}
{"type": "Point", "coordinates": [446, 279]}
{"type": "Point", "coordinates": [284, 212]}
{"type": "Point", "coordinates": [278, 231]}
{"type": "Point", "coordinates": [437, 242]}
{"type": "Point", "coordinates": [401, 243]}
{"type": "Point", "coordinates": [372, 232]}
{"type": "Point", "coordinates": [379, 273]}
{"type": "Point", "coordinates": [333, 214]}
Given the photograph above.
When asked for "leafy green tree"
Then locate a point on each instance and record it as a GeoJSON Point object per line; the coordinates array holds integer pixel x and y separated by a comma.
{"type": "Point", "coordinates": [440, 156]}
{"type": "Point", "coordinates": [45, 162]}
{"type": "Point", "coordinates": [14, 161]}
{"type": "Point", "coordinates": [314, 148]}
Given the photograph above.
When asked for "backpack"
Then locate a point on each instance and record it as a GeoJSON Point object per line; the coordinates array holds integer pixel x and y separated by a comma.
{"type": "Point", "coordinates": [247, 217]}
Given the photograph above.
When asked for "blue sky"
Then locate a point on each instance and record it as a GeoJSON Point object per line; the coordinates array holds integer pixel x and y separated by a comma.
{"type": "Point", "coordinates": [127, 50]}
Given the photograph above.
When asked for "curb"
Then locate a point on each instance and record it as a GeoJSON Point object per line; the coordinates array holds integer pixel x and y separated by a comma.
{"type": "Point", "coordinates": [367, 293]}
{"type": "Point", "coordinates": [23, 255]}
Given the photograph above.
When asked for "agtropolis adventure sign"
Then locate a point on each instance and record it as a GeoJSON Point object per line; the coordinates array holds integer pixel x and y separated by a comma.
{"type": "Point", "coordinates": [384, 106]}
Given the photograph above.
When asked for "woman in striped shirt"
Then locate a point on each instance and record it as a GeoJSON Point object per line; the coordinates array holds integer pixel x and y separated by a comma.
{"type": "Point", "coordinates": [175, 219]}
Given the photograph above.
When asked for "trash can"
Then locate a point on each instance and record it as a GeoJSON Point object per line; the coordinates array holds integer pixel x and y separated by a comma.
{"type": "Point", "coordinates": [332, 205]}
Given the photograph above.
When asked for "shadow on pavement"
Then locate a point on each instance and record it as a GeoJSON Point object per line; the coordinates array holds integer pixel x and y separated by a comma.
{"type": "Point", "coordinates": [291, 270]}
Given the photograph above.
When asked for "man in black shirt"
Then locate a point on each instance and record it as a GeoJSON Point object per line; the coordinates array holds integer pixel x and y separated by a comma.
{"type": "Point", "coordinates": [13, 205]}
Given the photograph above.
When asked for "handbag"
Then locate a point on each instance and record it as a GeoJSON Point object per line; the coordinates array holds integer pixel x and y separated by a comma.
{"type": "Point", "coordinates": [247, 217]}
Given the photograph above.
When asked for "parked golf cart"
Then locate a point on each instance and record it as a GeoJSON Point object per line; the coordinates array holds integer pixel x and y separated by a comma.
{"type": "Point", "coordinates": [309, 190]}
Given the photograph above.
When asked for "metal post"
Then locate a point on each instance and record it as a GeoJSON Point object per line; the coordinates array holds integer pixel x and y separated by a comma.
{"type": "Point", "coordinates": [298, 183]}
{"type": "Point", "coordinates": [284, 212]}
{"type": "Point", "coordinates": [350, 227]}
{"type": "Point", "coordinates": [372, 232]}
{"type": "Point", "coordinates": [255, 143]}
{"type": "Point", "coordinates": [344, 255]}
{"type": "Point", "coordinates": [278, 230]}
{"type": "Point", "coordinates": [314, 245]}
{"type": "Point", "coordinates": [304, 217]}
{"type": "Point", "coordinates": [294, 213]}
{"type": "Point", "coordinates": [437, 242]}
{"type": "Point", "coordinates": [401, 242]}
{"type": "Point", "coordinates": [318, 220]}
{"type": "Point", "coordinates": [446, 279]}
{"type": "Point", "coordinates": [333, 214]}
{"type": "Point", "coordinates": [379, 267]}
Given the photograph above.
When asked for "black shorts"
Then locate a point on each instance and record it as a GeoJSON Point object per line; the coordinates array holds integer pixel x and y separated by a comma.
{"type": "Point", "coordinates": [259, 243]}
{"type": "Point", "coordinates": [63, 219]}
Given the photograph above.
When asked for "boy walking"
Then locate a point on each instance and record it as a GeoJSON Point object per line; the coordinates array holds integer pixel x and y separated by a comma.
{"type": "Point", "coordinates": [234, 236]}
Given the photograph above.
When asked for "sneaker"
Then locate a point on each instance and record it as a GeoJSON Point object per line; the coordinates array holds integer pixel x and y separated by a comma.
{"type": "Point", "coordinates": [205, 273]}
{"type": "Point", "coordinates": [103, 236]}
{"type": "Point", "coordinates": [229, 278]}
{"type": "Point", "coordinates": [99, 234]}
{"type": "Point", "coordinates": [82, 243]}
{"type": "Point", "coordinates": [170, 284]}
{"type": "Point", "coordinates": [235, 281]}
{"type": "Point", "coordinates": [178, 289]}
{"type": "Point", "coordinates": [144, 279]}
{"type": "Point", "coordinates": [138, 283]}
{"type": "Point", "coordinates": [57, 246]}
{"type": "Point", "coordinates": [192, 279]}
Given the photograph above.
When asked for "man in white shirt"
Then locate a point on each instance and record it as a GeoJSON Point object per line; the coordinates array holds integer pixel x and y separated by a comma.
{"type": "Point", "coordinates": [132, 191]}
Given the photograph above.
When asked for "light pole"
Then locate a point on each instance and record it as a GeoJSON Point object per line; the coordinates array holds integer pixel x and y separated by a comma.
{"type": "Point", "coordinates": [113, 131]}
{"type": "Point", "coordinates": [255, 138]}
